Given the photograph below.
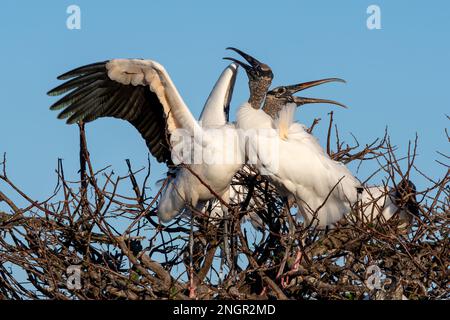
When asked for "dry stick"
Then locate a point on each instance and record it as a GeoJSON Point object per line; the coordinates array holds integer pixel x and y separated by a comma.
{"type": "Point", "coordinates": [289, 244]}
{"type": "Point", "coordinates": [329, 134]}
{"type": "Point", "coordinates": [362, 241]}
{"type": "Point", "coordinates": [135, 184]}
{"type": "Point", "coordinates": [137, 192]}
{"type": "Point", "coordinates": [22, 194]}
{"type": "Point", "coordinates": [315, 122]}
{"type": "Point", "coordinates": [62, 178]}
{"type": "Point", "coordinates": [166, 280]}
{"type": "Point", "coordinates": [147, 176]}
{"type": "Point", "coordinates": [145, 212]}
{"type": "Point", "coordinates": [92, 180]}
{"type": "Point", "coordinates": [3, 163]}
{"type": "Point", "coordinates": [10, 203]}
{"type": "Point", "coordinates": [83, 176]}
{"type": "Point", "coordinates": [192, 285]}
{"type": "Point", "coordinates": [209, 259]}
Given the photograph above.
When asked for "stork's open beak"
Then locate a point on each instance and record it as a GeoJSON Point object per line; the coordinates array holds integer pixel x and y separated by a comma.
{"type": "Point", "coordinates": [255, 66]}
{"type": "Point", "coordinates": [290, 90]}
{"type": "Point", "coordinates": [252, 61]}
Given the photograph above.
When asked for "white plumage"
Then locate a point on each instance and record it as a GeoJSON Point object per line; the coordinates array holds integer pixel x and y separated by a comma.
{"type": "Point", "coordinates": [324, 190]}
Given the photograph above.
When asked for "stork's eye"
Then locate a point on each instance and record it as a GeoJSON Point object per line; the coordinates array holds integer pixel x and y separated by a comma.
{"type": "Point", "coordinates": [280, 91]}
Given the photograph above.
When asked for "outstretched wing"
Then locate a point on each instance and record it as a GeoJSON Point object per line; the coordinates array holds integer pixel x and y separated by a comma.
{"type": "Point", "coordinates": [216, 111]}
{"type": "Point", "coordinates": [138, 91]}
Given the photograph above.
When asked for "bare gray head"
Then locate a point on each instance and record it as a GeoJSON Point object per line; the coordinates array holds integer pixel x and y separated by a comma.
{"type": "Point", "coordinates": [259, 77]}
{"type": "Point", "coordinates": [278, 97]}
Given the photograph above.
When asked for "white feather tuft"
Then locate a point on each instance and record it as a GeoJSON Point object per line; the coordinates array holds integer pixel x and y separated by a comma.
{"type": "Point", "coordinates": [285, 119]}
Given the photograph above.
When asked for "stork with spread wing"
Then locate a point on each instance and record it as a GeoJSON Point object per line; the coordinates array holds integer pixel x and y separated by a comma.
{"type": "Point", "coordinates": [142, 93]}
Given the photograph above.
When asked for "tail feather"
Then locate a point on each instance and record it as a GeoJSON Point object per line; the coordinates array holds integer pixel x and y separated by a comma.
{"type": "Point", "coordinates": [172, 201]}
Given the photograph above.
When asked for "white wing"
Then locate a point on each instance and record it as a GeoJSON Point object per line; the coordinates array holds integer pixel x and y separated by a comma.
{"type": "Point", "coordinates": [217, 106]}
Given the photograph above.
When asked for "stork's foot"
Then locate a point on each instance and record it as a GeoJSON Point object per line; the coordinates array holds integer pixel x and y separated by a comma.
{"type": "Point", "coordinates": [284, 282]}
{"type": "Point", "coordinates": [298, 258]}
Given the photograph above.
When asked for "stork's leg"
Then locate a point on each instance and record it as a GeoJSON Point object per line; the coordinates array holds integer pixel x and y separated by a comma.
{"type": "Point", "coordinates": [226, 243]}
{"type": "Point", "coordinates": [296, 264]}
{"type": "Point", "coordinates": [298, 259]}
{"type": "Point", "coordinates": [226, 217]}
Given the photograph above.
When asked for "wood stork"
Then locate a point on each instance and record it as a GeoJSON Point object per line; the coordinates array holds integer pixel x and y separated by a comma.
{"type": "Point", "coordinates": [324, 190]}
{"type": "Point", "coordinates": [142, 93]}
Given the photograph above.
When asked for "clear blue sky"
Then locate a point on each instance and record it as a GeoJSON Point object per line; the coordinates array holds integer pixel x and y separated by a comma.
{"type": "Point", "coordinates": [397, 76]}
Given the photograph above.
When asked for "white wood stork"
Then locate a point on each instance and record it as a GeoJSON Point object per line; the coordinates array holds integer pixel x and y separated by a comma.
{"type": "Point", "coordinates": [324, 190]}
{"type": "Point", "coordinates": [142, 93]}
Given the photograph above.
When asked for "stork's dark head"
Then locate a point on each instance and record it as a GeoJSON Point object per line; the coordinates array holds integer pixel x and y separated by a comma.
{"type": "Point", "coordinates": [405, 196]}
{"type": "Point", "coordinates": [278, 97]}
{"type": "Point", "coordinates": [259, 77]}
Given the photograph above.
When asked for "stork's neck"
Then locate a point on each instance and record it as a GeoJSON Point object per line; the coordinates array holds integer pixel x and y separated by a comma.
{"type": "Point", "coordinates": [258, 90]}
{"type": "Point", "coordinates": [273, 106]}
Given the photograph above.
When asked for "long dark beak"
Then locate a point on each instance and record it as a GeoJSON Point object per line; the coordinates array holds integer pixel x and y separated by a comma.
{"type": "Point", "coordinates": [290, 90]}
{"type": "Point", "coordinates": [305, 85]}
{"type": "Point", "coordinates": [252, 61]}
{"type": "Point", "coordinates": [299, 101]}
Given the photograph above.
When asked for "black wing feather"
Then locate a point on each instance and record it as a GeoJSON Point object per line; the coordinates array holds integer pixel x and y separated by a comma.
{"type": "Point", "coordinates": [90, 68]}
{"type": "Point", "coordinates": [91, 94]}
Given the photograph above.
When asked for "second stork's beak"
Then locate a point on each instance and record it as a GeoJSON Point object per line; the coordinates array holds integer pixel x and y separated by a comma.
{"type": "Point", "coordinates": [290, 90]}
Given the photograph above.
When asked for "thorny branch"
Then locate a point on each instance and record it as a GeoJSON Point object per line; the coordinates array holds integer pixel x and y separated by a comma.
{"type": "Point", "coordinates": [123, 252]}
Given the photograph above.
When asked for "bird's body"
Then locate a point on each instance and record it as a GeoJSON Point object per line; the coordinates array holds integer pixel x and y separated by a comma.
{"type": "Point", "coordinates": [215, 174]}
{"type": "Point", "coordinates": [142, 93]}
